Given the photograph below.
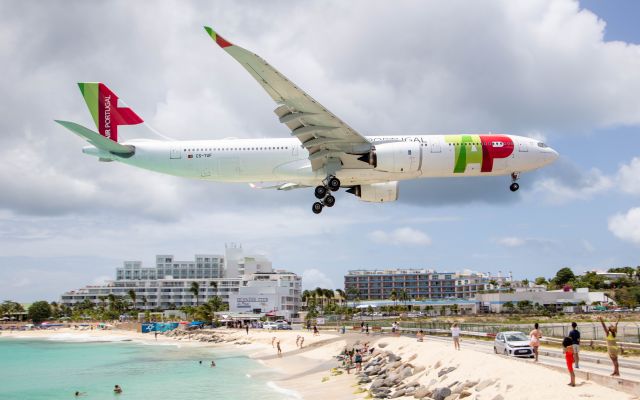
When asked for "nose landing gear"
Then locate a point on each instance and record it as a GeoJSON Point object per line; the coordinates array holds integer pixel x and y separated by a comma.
{"type": "Point", "coordinates": [322, 192]}
{"type": "Point", "coordinates": [514, 185]}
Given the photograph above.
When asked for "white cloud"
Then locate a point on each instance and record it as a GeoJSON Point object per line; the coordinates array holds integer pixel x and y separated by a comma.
{"type": "Point", "coordinates": [510, 241]}
{"type": "Point", "coordinates": [556, 190]}
{"type": "Point", "coordinates": [313, 278]}
{"type": "Point", "coordinates": [626, 226]}
{"type": "Point", "coordinates": [401, 236]}
{"type": "Point", "coordinates": [628, 177]}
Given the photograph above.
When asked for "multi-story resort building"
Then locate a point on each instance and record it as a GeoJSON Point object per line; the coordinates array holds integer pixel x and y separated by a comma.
{"type": "Point", "coordinates": [245, 283]}
{"type": "Point", "coordinates": [417, 283]}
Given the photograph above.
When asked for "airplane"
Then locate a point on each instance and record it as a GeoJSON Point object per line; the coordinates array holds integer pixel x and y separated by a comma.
{"type": "Point", "coordinates": [323, 151]}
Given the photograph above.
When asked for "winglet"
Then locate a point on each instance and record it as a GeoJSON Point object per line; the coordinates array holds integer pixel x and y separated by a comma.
{"type": "Point", "coordinates": [222, 42]}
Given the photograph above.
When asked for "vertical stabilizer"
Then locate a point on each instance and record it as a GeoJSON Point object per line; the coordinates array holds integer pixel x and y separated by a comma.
{"type": "Point", "coordinates": [103, 106]}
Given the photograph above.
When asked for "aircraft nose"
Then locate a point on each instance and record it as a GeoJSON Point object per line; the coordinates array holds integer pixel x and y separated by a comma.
{"type": "Point", "coordinates": [552, 155]}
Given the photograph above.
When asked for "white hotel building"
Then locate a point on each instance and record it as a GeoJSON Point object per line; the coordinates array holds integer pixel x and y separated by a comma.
{"type": "Point", "coordinates": [246, 283]}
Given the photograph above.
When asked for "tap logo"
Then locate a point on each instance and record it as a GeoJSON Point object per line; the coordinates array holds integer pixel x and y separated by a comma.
{"type": "Point", "coordinates": [479, 149]}
{"type": "Point", "coordinates": [103, 105]}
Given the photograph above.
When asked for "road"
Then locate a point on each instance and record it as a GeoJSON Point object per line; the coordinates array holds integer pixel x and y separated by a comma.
{"type": "Point", "coordinates": [630, 369]}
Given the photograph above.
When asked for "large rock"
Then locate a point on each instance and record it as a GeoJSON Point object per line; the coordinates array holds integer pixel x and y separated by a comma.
{"type": "Point", "coordinates": [485, 384]}
{"type": "Point", "coordinates": [393, 358]}
{"type": "Point", "coordinates": [418, 369]}
{"type": "Point", "coordinates": [406, 372]}
{"type": "Point", "coordinates": [445, 371]}
{"type": "Point", "coordinates": [421, 392]}
{"type": "Point", "coordinates": [377, 383]}
{"type": "Point", "coordinates": [441, 393]}
{"type": "Point", "coordinates": [464, 394]}
{"type": "Point", "coordinates": [397, 393]}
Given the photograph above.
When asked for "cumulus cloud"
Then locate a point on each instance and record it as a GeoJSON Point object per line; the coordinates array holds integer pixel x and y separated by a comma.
{"type": "Point", "coordinates": [629, 177]}
{"type": "Point", "coordinates": [401, 237]}
{"type": "Point", "coordinates": [313, 278]}
{"type": "Point", "coordinates": [565, 182]}
{"type": "Point", "coordinates": [626, 226]}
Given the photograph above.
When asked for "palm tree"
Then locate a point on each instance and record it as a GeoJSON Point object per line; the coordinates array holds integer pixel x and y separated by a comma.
{"type": "Point", "coordinates": [341, 296]}
{"type": "Point", "coordinates": [112, 301]}
{"type": "Point", "coordinates": [144, 302]}
{"type": "Point", "coordinates": [403, 297]}
{"type": "Point", "coordinates": [330, 295]}
{"type": "Point", "coordinates": [394, 296]}
{"type": "Point", "coordinates": [195, 290]}
{"type": "Point", "coordinates": [214, 285]}
{"type": "Point", "coordinates": [103, 301]}
{"type": "Point", "coordinates": [454, 309]}
{"type": "Point", "coordinates": [320, 296]}
{"type": "Point", "coordinates": [132, 296]}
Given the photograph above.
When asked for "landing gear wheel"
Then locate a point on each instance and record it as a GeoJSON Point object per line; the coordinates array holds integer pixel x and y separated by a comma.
{"type": "Point", "coordinates": [333, 183]}
{"type": "Point", "coordinates": [514, 187]}
{"type": "Point", "coordinates": [320, 192]}
{"type": "Point", "coordinates": [329, 201]}
{"type": "Point", "coordinates": [317, 207]}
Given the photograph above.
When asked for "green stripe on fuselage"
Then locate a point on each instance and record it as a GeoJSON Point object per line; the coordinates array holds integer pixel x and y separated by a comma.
{"type": "Point", "coordinates": [468, 150]}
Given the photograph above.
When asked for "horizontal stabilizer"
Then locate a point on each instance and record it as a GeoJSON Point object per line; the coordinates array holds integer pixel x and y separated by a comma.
{"type": "Point", "coordinates": [98, 140]}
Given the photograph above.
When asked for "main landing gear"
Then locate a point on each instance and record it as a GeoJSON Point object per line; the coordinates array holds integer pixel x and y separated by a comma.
{"type": "Point", "coordinates": [323, 193]}
{"type": "Point", "coordinates": [514, 185]}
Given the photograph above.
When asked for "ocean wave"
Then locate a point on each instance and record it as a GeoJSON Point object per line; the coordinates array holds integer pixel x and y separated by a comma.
{"type": "Point", "coordinates": [290, 394]}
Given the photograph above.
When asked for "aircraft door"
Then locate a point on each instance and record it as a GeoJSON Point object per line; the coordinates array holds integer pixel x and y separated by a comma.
{"type": "Point", "coordinates": [294, 150]}
{"type": "Point", "coordinates": [175, 153]}
{"type": "Point", "coordinates": [522, 147]}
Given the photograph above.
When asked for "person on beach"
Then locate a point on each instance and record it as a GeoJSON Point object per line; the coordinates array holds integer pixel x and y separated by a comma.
{"type": "Point", "coordinates": [309, 325]}
{"type": "Point", "coordinates": [117, 389]}
{"type": "Point", "coordinates": [297, 341]}
{"type": "Point", "coordinates": [567, 349]}
{"type": "Point", "coordinates": [367, 329]}
{"type": "Point", "coordinates": [455, 334]}
{"type": "Point", "coordinates": [315, 331]}
{"type": "Point", "coordinates": [612, 344]}
{"type": "Point", "coordinates": [213, 363]}
{"type": "Point", "coordinates": [420, 336]}
{"type": "Point", "coordinates": [273, 341]}
{"type": "Point", "coordinates": [301, 341]}
{"type": "Point", "coordinates": [279, 349]}
{"type": "Point", "coordinates": [156, 335]}
{"type": "Point", "coordinates": [362, 327]}
{"type": "Point", "coordinates": [574, 334]}
{"type": "Point", "coordinates": [358, 361]}
{"type": "Point", "coordinates": [247, 328]}
{"type": "Point", "coordinates": [534, 339]}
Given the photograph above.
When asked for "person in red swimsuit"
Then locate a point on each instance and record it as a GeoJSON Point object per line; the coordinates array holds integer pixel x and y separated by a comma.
{"type": "Point", "coordinates": [567, 348]}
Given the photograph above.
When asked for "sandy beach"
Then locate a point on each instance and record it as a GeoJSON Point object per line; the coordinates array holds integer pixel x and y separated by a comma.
{"type": "Point", "coordinates": [429, 364]}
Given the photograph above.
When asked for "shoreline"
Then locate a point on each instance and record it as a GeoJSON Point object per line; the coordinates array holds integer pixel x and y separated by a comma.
{"type": "Point", "coordinates": [300, 372]}
{"type": "Point", "coordinates": [307, 373]}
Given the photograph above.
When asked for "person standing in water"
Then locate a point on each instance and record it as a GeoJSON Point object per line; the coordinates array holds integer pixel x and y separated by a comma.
{"type": "Point", "coordinates": [612, 344]}
{"type": "Point", "coordinates": [534, 336]}
{"type": "Point", "coordinates": [117, 389]}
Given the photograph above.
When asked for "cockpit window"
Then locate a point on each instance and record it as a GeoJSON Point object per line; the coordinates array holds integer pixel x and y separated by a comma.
{"type": "Point", "coordinates": [541, 144]}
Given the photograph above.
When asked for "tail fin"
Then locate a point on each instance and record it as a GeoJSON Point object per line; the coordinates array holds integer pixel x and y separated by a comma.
{"type": "Point", "coordinates": [103, 106]}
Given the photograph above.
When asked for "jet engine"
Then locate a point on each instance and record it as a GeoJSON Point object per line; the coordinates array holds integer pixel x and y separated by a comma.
{"type": "Point", "coordinates": [394, 157]}
{"type": "Point", "coordinates": [376, 192]}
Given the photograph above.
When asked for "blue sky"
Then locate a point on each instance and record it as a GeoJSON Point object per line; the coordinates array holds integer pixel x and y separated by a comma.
{"type": "Point", "coordinates": [550, 69]}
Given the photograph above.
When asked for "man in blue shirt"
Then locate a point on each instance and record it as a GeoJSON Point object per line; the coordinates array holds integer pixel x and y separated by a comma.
{"type": "Point", "coordinates": [575, 339]}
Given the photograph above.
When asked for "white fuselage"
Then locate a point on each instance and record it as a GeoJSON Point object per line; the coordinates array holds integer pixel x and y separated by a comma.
{"type": "Point", "coordinates": [285, 160]}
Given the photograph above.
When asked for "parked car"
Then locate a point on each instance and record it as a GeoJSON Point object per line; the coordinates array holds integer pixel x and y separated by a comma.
{"type": "Point", "coordinates": [513, 343]}
{"type": "Point", "coordinates": [269, 325]}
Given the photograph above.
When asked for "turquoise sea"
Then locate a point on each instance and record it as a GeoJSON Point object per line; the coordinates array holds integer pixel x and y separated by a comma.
{"type": "Point", "coordinates": [45, 369]}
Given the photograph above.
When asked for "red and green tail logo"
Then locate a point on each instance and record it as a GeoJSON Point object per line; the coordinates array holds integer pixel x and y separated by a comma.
{"type": "Point", "coordinates": [103, 105]}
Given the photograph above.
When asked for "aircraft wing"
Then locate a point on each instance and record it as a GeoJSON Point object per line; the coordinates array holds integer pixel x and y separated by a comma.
{"type": "Point", "coordinates": [98, 140]}
{"type": "Point", "coordinates": [326, 136]}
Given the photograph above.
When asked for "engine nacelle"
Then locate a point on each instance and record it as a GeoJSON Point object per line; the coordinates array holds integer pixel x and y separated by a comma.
{"type": "Point", "coordinates": [376, 192]}
{"type": "Point", "coordinates": [395, 157]}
